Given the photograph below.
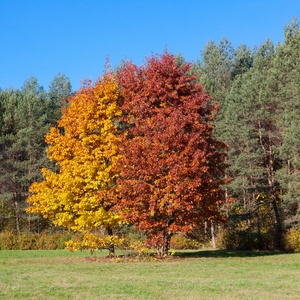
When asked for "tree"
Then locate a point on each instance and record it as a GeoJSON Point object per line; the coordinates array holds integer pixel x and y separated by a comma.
{"type": "Point", "coordinates": [172, 166]}
{"type": "Point", "coordinates": [60, 90]}
{"type": "Point", "coordinates": [243, 116]}
{"type": "Point", "coordinates": [24, 124]}
{"type": "Point", "coordinates": [242, 62]}
{"type": "Point", "coordinates": [250, 127]}
{"type": "Point", "coordinates": [284, 86]}
{"type": "Point", "coordinates": [85, 146]}
{"type": "Point", "coordinates": [215, 68]}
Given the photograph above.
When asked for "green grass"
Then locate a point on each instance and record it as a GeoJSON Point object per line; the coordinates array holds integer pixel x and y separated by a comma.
{"type": "Point", "coordinates": [59, 274]}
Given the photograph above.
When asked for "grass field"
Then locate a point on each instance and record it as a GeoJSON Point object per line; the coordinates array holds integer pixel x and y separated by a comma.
{"type": "Point", "coordinates": [59, 274]}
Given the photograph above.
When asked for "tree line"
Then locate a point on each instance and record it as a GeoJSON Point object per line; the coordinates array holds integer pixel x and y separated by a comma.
{"type": "Point", "coordinates": [257, 93]}
{"type": "Point", "coordinates": [26, 115]}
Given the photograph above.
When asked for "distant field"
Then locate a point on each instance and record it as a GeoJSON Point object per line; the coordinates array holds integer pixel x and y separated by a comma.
{"type": "Point", "coordinates": [59, 274]}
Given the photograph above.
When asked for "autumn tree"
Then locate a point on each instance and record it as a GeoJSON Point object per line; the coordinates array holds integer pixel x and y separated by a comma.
{"type": "Point", "coordinates": [85, 146]}
{"type": "Point", "coordinates": [172, 166]}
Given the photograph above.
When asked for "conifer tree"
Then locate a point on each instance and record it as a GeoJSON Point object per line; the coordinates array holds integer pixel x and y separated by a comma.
{"type": "Point", "coordinates": [284, 85]}
{"type": "Point", "coordinates": [22, 143]}
{"type": "Point", "coordinates": [60, 90]}
{"type": "Point", "coordinates": [253, 141]}
{"type": "Point", "coordinates": [215, 66]}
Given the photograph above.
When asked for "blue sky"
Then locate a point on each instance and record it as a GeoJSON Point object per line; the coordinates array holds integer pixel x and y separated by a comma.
{"type": "Point", "coordinates": [42, 38]}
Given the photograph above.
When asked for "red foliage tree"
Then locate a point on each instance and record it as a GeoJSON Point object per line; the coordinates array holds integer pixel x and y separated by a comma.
{"type": "Point", "coordinates": [172, 166]}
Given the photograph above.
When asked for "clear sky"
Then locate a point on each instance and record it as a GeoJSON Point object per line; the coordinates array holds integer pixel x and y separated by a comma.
{"type": "Point", "coordinates": [45, 37]}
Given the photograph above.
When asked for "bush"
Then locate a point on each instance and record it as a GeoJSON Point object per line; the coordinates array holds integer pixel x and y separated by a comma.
{"type": "Point", "coordinates": [8, 241]}
{"type": "Point", "coordinates": [34, 241]}
{"type": "Point", "coordinates": [180, 242]}
{"type": "Point", "coordinates": [242, 240]}
{"type": "Point", "coordinates": [292, 240]}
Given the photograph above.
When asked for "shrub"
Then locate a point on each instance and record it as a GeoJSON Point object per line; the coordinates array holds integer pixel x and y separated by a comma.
{"type": "Point", "coordinates": [8, 240]}
{"type": "Point", "coordinates": [242, 240]}
{"type": "Point", "coordinates": [180, 242]}
{"type": "Point", "coordinates": [292, 240]}
{"type": "Point", "coordinates": [34, 241]}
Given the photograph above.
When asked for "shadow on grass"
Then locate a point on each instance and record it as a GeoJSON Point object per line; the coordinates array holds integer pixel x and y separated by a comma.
{"type": "Point", "coordinates": [225, 253]}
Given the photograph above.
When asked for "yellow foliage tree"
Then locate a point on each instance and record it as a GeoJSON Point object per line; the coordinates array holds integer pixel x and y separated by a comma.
{"type": "Point", "coordinates": [86, 147]}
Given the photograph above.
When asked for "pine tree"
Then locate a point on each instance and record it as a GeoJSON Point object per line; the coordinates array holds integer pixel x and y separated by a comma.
{"type": "Point", "coordinates": [60, 90]}
{"type": "Point", "coordinates": [242, 62]}
{"type": "Point", "coordinates": [22, 143]}
{"type": "Point", "coordinates": [253, 137]}
{"type": "Point", "coordinates": [215, 67]}
{"type": "Point", "coordinates": [285, 87]}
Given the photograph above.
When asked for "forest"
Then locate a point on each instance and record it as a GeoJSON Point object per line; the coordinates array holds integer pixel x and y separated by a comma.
{"type": "Point", "coordinates": [207, 151]}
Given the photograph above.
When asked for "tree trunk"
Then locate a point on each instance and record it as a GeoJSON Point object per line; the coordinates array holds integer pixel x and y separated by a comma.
{"type": "Point", "coordinates": [226, 197]}
{"type": "Point", "coordinates": [269, 158]}
{"type": "Point", "coordinates": [246, 222]}
{"type": "Point", "coordinates": [17, 213]}
{"type": "Point", "coordinates": [167, 241]}
{"type": "Point", "coordinates": [29, 222]}
{"type": "Point", "coordinates": [256, 214]}
{"type": "Point", "coordinates": [213, 237]}
{"type": "Point", "coordinates": [271, 181]}
{"type": "Point", "coordinates": [111, 246]}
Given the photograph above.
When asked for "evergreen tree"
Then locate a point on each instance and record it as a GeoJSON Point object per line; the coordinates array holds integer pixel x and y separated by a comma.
{"type": "Point", "coordinates": [24, 124]}
{"type": "Point", "coordinates": [60, 90]}
{"type": "Point", "coordinates": [242, 62]}
{"type": "Point", "coordinates": [215, 68]}
{"type": "Point", "coordinates": [250, 120]}
{"type": "Point", "coordinates": [285, 86]}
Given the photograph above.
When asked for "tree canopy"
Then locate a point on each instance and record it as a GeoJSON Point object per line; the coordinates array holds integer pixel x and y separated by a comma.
{"type": "Point", "coordinates": [172, 166]}
{"type": "Point", "coordinates": [165, 147]}
{"type": "Point", "coordinates": [85, 146]}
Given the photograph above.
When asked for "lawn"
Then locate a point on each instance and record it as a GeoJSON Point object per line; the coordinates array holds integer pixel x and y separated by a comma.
{"type": "Point", "coordinates": [59, 274]}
